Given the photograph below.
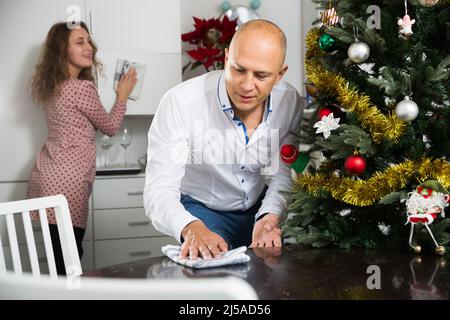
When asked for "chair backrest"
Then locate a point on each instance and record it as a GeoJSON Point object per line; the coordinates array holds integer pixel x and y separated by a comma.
{"type": "Point", "coordinates": [73, 288]}
{"type": "Point", "coordinates": [65, 230]}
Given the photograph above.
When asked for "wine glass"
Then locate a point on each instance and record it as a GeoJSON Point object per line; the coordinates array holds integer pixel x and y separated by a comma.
{"type": "Point", "coordinates": [125, 138]}
{"type": "Point", "coordinates": [106, 142]}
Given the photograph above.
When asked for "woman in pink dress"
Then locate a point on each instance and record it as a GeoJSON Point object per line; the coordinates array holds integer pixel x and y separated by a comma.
{"type": "Point", "coordinates": [64, 86]}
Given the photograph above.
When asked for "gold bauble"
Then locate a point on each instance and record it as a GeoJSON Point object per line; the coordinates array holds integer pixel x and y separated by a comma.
{"type": "Point", "coordinates": [428, 3]}
{"type": "Point", "coordinates": [417, 249]}
{"type": "Point", "coordinates": [440, 250]}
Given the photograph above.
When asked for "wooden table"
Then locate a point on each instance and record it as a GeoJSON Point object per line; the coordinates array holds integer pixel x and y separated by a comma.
{"type": "Point", "coordinates": [295, 272]}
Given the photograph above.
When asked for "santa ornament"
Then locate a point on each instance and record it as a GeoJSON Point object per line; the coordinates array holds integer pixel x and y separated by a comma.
{"type": "Point", "coordinates": [424, 205]}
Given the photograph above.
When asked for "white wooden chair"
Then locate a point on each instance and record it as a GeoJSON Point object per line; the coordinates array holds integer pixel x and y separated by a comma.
{"type": "Point", "coordinates": [65, 230]}
{"type": "Point", "coordinates": [74, 288]}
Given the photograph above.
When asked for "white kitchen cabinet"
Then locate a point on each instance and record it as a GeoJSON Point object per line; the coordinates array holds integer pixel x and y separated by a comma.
{"type": "Point", "coordinates": [24, 258]}
{"type": "Point", "coordinates": [124, 192]}
{"type": "Point", "coordinates": [110, 252]}
{"type": "Point", "coordinates": [142, 31]}
{"type": "Point", "coordinates": [87, 262]}
{"type": "Point", "coordinates": [122, 231]}
{"type": "Point", "coordinates": [135, 25]}
{"type": "Point", "coordinates": [123, 223]}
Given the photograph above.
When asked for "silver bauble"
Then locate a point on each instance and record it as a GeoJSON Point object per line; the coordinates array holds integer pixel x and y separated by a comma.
{"type": "Point", "coordinates": [358, 52]}
{"type": "Point", "coordinates": [407, 110]}
{"type": "Point", "coordinates": [242, 13]}
{"type": "Point", "coordinates": [428, 3]}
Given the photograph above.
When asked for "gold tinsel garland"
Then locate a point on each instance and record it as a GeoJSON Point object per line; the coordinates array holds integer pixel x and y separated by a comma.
{"type": "Point", "coordinates": [378, 125]}
{"type": "Point", "coordinates": [366, 192]}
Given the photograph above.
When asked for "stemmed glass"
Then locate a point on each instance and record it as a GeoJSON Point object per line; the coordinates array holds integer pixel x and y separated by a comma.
{"type": "Point", "coordinates": [106, 142]}
{"type": "Point", "coordinates": [125, 138]}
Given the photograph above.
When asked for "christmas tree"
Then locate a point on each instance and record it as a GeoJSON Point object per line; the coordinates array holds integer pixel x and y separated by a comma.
{"type": "Point", "coordinates": [379, 71]}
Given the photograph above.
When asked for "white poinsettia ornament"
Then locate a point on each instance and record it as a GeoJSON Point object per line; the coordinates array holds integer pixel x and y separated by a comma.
{"type": "Point", "coordinates": [326, 125]}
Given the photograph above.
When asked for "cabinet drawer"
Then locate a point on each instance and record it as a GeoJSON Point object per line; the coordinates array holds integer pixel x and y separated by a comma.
{"type": "Point", "coordinates": [123, 223]}
{"type": "Point", "coordinates": [118, 193]}
{"type": "Point", "coordinates": [25, 258]}
{"type": "Point", "coordinates": [87, 260]}
{"type": "Point", "coordinates": [110, 252]}
{"type": "Point", "coordinates": [20, 231]}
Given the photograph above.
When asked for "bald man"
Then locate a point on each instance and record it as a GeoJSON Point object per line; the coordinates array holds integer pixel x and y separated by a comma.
{"type": "Point", "coordinates": [213, 178]}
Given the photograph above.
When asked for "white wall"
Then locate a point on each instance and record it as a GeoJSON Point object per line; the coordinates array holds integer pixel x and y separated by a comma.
{"type": "Point", "coordinates": [294, 17]}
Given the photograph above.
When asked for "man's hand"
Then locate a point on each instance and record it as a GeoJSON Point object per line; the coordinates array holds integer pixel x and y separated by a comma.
{"type": "Point", "coordinates": [200, 241]}
{"type": "Point", "coordinates": [266, 232]}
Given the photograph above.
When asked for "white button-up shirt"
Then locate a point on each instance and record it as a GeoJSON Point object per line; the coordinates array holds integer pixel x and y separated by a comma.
{"type": "Point", "coordinates": [198, 147]}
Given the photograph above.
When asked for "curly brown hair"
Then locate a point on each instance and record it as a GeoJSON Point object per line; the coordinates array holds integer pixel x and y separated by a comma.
{"type": "Point", "coordinates": [52, 68]}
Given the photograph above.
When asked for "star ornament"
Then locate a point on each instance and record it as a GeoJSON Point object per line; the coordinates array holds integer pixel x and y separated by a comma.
{"type": "Point", "coordinates": [326, 125]}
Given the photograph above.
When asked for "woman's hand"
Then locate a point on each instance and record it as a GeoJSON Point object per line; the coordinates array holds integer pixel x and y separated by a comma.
{"type": "Point", "coordinates": [126, 85]}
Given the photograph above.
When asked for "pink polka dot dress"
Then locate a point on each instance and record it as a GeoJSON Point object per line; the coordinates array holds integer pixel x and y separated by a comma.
{"type": "Point", "coordinates": [66, 164]}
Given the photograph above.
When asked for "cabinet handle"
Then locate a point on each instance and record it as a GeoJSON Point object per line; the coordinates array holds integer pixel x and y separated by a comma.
{"type": "Point", "coordinates": [91, 19]}
{"type": "Point", "coordinates": [140, 253]}
{"type": "Point", "coordinates": [138, 223]}
{"type": "Point", "coordinates": [135, 193]}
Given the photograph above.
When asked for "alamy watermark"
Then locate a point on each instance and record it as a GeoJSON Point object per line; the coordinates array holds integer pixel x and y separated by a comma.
{"type": "Point", "coordinates": [73, 19]}
{"type": "Point", "coordinates": [221, 147]}
{"type": "Point", "coordinates": [374, 21]}
{"type": "Point", "coordinates": [374, 280]}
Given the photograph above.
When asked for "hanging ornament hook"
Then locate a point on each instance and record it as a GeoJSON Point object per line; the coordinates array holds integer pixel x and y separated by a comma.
{"type": "Point", "coordinates": [355, 32]}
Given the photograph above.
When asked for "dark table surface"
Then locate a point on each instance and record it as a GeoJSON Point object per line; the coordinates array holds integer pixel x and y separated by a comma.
{"type": "Point", "coordinates": [295, 272]}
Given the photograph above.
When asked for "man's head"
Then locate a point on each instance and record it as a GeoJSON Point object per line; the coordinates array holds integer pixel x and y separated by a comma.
{"type": "Point", "coordinates": [254, 63]}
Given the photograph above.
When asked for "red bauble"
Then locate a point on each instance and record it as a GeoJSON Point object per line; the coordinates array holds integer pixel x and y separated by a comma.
{"type": "Point", "coordinates": [355, 165]}
{"type": "Point", "coordinates": [331, 108]}
{"type": "Point", "coordinates": [288, 153]}
{"type": "Point", "coordinates": [323, 112]}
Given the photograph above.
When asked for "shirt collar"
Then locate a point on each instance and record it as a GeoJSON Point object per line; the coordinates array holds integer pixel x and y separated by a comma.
{"type": "Point", "coordinates": [224, 101]}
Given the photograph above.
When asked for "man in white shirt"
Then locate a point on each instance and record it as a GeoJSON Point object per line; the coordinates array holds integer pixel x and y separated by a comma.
{"type": "Point", "coordinates": [214, 144]}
